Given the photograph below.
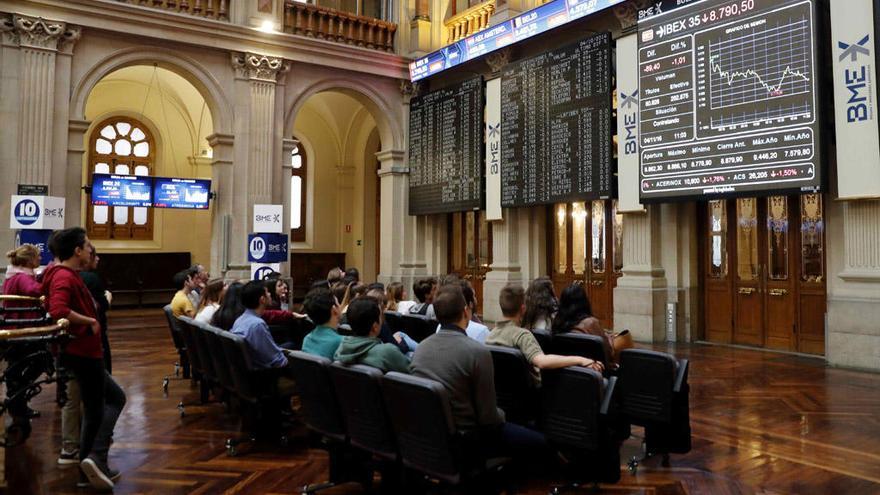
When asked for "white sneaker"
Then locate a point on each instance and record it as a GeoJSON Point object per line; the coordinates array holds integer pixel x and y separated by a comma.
{"type": "Point", "coordinates": [68, 457]}
{"type": "Point", "coordinates": [96, 475]}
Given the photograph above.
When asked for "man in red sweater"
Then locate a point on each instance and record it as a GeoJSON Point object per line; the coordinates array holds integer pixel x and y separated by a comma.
{"type": "Point", "coordinates": [102, 399]}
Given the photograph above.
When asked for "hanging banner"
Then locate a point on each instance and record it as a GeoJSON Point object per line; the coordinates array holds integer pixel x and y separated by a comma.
{"type": "Point", "coordinates": [628, 124]}
{"type": "Point", "coordinates": [493, 149]}
{"type": "Point", "coordinates": [36, 212]}
{"type": "Point", "coordinates": [855, 99]}
{"type": "Point", "coordinates": [268, 218]}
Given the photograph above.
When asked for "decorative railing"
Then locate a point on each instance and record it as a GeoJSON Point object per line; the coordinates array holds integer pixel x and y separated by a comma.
{"type": "Point", "coordinates": [342, 27]}
{"type": "Point", "coordinates": [211, 9]}
{"type": "Point", "coordinates": [469, 21]}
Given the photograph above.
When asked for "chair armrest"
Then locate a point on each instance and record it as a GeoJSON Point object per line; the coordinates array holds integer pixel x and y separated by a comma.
{"type": "Point", "coordinates": [681, 376]}
{"type": "Point", "coordinates": [609, 391]}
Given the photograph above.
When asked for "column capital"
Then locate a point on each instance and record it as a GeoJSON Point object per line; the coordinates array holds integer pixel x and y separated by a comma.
{"type": "Point", "coordinates": [257, 67]}
{"type": "Point", "coordinates": [37, 32]}
{"type": "Point", "coordinates": [217, 139]}
{"type": "Point", "coordinates": [391, 155]}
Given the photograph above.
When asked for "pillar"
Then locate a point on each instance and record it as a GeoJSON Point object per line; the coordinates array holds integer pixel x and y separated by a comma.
{"type": "Point", "coordinates": [223, 184]}
{"type": "Point", "coordinates": [853, 257]}
{"type": "Point", "coordinates": [506, 256]}
{"type": "Point", "coordinates": [640, 296]}
{"type": "Point", "coordinates": [394, 219]}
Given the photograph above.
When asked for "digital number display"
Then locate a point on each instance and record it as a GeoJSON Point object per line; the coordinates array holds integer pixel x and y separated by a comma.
{"type": "Point", "coordinates": [121, 190]}
{"type": "Point", "coordinates": [171, 192]}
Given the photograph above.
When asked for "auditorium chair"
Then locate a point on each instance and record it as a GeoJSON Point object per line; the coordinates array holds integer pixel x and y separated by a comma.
{"type": "Point", "coordinates": [581, 344]}
{"type": "Point", "coordinates": [427, 438]}
{"type": "Point", "coordinates": [179, 346]}
{"type": "Point", "coordinates": [395, 321]}
{"type": "Point", "coordinates": [419, 327]}
{"type": "Point", "coordinates": [545, 339]}
{"type": "Point", "coordinates": [652, 391]}
{"type": "Point", "coordinates": [575, 419]}
{"type": "Point", "coordinates": [197, 369]}
{"type": "Point", "coordinates": [359, 394]}
{"type": "Point", "coordinates": [203, 348]}
{"type": "Point", "coordinates": [320, 411]}
{"type": "Point", "coordinates": [515, 390]}
{"type": "Point", "coordinates": [256, 390]}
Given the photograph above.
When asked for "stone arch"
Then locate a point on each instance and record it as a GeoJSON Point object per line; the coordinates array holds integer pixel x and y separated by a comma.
{"type": "Point", "coordinates": [192, 71]}
{"type": "Point", "coordinates": [390, 129]}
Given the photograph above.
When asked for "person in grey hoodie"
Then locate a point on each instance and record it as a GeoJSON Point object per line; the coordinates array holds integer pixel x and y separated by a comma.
{"type": "Point", "coordinates": [364, 347]}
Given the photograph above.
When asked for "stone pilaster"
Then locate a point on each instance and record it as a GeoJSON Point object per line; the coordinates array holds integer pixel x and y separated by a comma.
{"type": "Point", "coordinates": [853, 334]}
{"type": "Point", "coordinates": [39, 41]}
{"type": "Point", "coordinates": [640, 295]}
{"type": "Point", "coordinates": [506, 256]}
{"type": "Point", "coordinates": [225, 228]}
{"type": "Point", "coordinates": [394, 220]}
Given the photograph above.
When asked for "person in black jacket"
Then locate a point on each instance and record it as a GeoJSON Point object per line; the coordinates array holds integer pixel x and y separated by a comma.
{"type": "Point", "coordinates": [103, 298]}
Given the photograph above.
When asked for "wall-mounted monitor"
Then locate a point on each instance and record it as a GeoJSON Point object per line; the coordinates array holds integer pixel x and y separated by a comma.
{"type": "Point", "coordinates": [172, 192]}
{"type": "Point", "coordinates": [121, 190]}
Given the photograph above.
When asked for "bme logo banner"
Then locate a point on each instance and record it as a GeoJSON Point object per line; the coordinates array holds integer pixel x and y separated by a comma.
{"type": "Point", "coordinates": [857, 75]}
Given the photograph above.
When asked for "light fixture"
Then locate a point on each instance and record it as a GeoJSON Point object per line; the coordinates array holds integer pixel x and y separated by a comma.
{"type": "Point", "coordinates": [267, 26]}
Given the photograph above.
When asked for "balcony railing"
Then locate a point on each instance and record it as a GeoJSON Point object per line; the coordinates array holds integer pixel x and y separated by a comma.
{"type": "Point", "coordinates": [211, 9]}
{"type": "Point", "coordinates": [341, 27]}
{"type": "Point", "coordinates": [469, 21]}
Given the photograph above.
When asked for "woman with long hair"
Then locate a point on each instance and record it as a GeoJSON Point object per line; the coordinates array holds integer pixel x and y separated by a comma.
{"type": "Point", "coordinates": [541, 305]}
{"type": "Point", "coordinates": [394, 295]}
{"type": "Point", "coordinates": [230, 308]}
{"type": "Point", "coordinates": [576, 315]}
{"type": "Point", "coordinates": [210, 300]}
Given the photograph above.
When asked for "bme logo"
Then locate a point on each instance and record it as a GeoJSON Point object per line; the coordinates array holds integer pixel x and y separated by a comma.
{"type": "Point", "coordinates": [857, 79]}
{"type": "Point", "coordinates": [628, 101]}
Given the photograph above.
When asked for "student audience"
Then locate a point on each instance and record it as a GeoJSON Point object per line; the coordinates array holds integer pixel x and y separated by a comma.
{"type": "Point", "coordinates": [323, 309]}
{"type": "Point", "coordinates": [541, 305]}
{"type": "Point", "coordinates": [400, 340]}
{"type": "Point", "coordinates": [334, 275]}
{"type": "Point", "coordinates": [364, 346]}
{"type": "Point", "coordinates": [508, 333]}
{"type": "Point", "coordinates": [424, 290]}
{"type": "Point", "coordinates": [575, 314]}
{"type": "Point", "coordinates": [102, 399]}
{"type": "Point", "coordinates": [395, 294]}
{"type": "Point", "coordinates": [200, 280]}
{"type": "Point", "coordinates": [280, 292]}
{"type": "Point", "coordinates": [265, 353]}
{"type": "Point", "coordinates": [181, 304]}
{"type": "Point", "coordinates": [210, 300]}
{"type": "Point", "coordinates": [230, 308]}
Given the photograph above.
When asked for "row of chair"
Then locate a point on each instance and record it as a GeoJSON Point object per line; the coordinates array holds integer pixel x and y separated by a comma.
{"type": "Point", "coordinates": [418, 327]}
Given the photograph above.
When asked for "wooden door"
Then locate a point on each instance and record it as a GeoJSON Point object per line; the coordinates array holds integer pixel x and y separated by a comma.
{"type": "Point", "coordinates": [470, 249]}
{"type": "Point", "coordinates": [717, 276]}
{"type": "Point", "coordinates": [586, 246]}
{"type": "Point", "coordinates": [748, 300]}
{"type": "Point", "coordinates": [810, 260]}
{"type": "Point", "coordinates": [779, 288]}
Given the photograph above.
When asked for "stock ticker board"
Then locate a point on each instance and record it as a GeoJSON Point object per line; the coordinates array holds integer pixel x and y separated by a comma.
{"type": "Point", "coordinates": [446, 149]}
{"type": "Point", "coordinates": [556, 125]}
{"type": "Point", "coordinates": [728, 98]}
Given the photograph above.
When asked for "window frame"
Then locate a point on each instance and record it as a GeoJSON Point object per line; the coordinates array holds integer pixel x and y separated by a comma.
{"type": "Point", "coordinates": [299, 234]}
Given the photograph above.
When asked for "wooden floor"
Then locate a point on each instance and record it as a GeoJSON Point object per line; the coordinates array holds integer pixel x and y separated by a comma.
{"type": "Point", "coordinates": [762, 423]}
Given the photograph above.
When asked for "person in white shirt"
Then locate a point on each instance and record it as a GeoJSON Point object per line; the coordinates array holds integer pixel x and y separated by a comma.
{"type": "Point", "coordinates": [475, 329]}
{"type": "Point", "coordinates": [210, 300]}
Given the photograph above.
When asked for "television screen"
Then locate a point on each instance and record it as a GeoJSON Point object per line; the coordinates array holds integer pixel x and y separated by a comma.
{"type": "Point", "coordinates": [171, 192]}
{"type": "Point", "coordinates": [121, 190]}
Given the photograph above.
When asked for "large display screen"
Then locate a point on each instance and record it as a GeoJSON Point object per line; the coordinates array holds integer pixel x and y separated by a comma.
{"type": "Point", "coordinates": [556, 125]}
{"type": "Point", "coordinates": [169, 192]}
{"type": "Point", "coordinates": [121, 190]}
{"type": "Point", "coordinates": [728, 98]}
{"type": "Point", "coordinates": [446, 149]}
{"type": "Point", "coordinates": [536, 21]}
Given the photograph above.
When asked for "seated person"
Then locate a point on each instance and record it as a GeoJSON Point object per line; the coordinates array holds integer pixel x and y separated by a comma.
{"type": "Point", "coordinates": [181, 305]}
{"type": "Point", "coordinates": [506, 333]}
{"type": "Point", "coordinates": [462, 365]}
{"type": "Point", "coordinates": [424, 291]}
{"type": "Point", "coordinates": [230, 307]}
{"type": "Point", "coordinates": [541, 305]}
{"type": "Point", "coordinates": [323, 309]}
{"type": "Point", "coordinates": [264, 352]}
{"type": "Point", "coordinates": [474, 329]}
{"type": "Point", "coordinates": [364, 346]}
{"type": "Point", "coordinates": [210, 299]}
{"type": "Point", "coordinates": [399, 339]}
{"type": "Point", "coordinates": [576, 315]}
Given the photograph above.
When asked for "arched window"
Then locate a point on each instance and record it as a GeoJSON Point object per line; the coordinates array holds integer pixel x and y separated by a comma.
{"type": "Point", "coordinates": [298, 194]}
{"type": "Point", "coordinates": [124, 146]}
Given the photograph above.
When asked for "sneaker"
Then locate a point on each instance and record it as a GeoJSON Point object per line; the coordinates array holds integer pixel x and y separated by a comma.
{"type": "Point", "coordinates": [96, 473]}
{"type": "Point", "coordinates": [68, 457]}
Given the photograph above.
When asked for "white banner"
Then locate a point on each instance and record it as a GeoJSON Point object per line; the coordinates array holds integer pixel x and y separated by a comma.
{"type": "Point", "coordinates": [628, 124]}
{"type": "Point", "coordinates": [36, 212]}
{"type": "Point", "coordinates": [493, 149]}
{"type": "Point", "coordinates": [855, 99]}
{"type": "Point", "coordinates": [268, 219]}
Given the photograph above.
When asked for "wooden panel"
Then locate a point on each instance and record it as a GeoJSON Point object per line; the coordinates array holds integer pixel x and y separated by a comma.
{"type": "Point", "coordinates": [307, 268]}
{"type": "Point", "coordinates": [780, 287]}
{"type": "Point", "coordinates": [132, 276]}
{"type": "Point", "coordinates": [811, 334]}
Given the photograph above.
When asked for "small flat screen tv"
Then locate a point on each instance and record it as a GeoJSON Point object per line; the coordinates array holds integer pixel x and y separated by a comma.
{"type": "Point", "coordinates": [173, 192]}
{"type": "Point", "coordinates": [121, 190]}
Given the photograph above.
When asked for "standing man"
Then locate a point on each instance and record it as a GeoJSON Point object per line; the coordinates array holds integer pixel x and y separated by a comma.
{"type": "Point", "coordinates": [102, 399]}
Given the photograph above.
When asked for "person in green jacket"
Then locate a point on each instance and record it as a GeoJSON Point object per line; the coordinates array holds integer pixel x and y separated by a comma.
{"type": "Point", "coordinates": [323, 309]}
{"type": "Point", "coordinates": [364, 347]}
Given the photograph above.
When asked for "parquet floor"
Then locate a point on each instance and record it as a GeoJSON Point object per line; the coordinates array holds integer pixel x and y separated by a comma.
{"type": "Point", "coordinates": [762, 424]}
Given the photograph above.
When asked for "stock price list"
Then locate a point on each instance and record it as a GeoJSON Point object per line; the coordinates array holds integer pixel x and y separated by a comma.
{"type": "Point", "coordinates": [556, 125]}
{"type": "Point", "coordinates": [727, 98]}
{"type": "Point", "coordinates": [446, 149]}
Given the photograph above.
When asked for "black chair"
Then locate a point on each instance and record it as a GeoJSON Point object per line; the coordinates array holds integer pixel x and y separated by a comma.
{"type": "Point", "coordinates": [217, 355]}
{"type": "Point", "coordinates": [203, 349]}
{"type": "Point", "coordinates": [581, 344]}
{"type": "Point", "coordinates": [187, 331]}
{"type": "Point", "coordinates": [320, 411]}
{"type": "Point", "coordinates": [574, 418]}
{"type": "Point", "coordinates": [394, 321]}
{"type": "Point", "coordinates": [515, 389]}
{"type": "Point", "coordinates": [419, 327]}
{"type": "Point", "coordinates": [359, 394]}
{"type": "Point", "coordinates": [179, 346]}
{"type": "Point", "coordinates": [653, 392]}
{"type": "Point", "coordinates": [426, 435]}
{"type": "Point", "coordinates": [545, 339]}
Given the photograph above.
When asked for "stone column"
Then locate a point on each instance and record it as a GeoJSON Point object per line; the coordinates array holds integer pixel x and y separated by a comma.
{"type": "Point", "coordinates": [39, 42]}
{"type": "Point", "coordinates": [506, 267]}
{"type": "Point", "coordinates": [224, 227]}
{"type": "Point", "coordinates": [72, 175]}
{"type": "Point", "coordinates": [254, 153]}
{"type": "Point", "coordinates": [853, 257]}
{"type": "Point", "coordinates": [394, 219]}
{"type": "Point", "coordinates": [640, 295]}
